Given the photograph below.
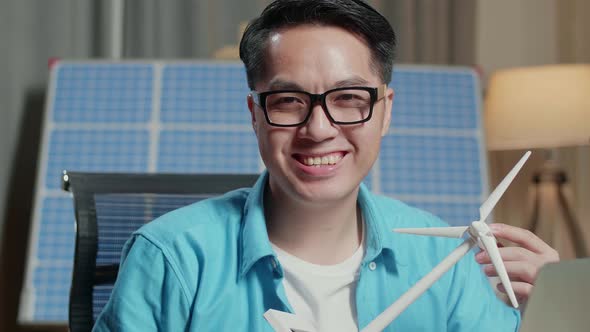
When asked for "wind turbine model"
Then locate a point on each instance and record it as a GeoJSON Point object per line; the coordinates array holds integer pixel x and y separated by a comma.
{"type": "Point", "coordinates": [479, 233]}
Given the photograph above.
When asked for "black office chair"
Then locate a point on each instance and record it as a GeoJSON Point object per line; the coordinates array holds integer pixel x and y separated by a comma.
{"type": "Point", "coordinates": [111, 206]}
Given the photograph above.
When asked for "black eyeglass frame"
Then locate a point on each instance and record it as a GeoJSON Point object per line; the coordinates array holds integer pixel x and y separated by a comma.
{"type": "Point", "coordinates": [376, 94]}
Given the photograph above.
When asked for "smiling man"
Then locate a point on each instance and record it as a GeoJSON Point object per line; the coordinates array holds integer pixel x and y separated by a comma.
{"type": "Point", "coordinates": [309, 238]}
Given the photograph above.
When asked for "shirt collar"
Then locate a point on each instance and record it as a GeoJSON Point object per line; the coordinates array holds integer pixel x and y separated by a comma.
{"type": "Point", "coordinates": [379, 234]}
{"type": "Point", "coordinates": [255, 243]}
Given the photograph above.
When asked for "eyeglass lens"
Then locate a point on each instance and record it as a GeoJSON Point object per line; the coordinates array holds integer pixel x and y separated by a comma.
{"type": "Point", "coordinates": [343, 106]}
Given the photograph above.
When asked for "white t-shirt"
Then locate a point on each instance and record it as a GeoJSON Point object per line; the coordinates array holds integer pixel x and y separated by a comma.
{"type": "Point", "coordinates": [322, 294]}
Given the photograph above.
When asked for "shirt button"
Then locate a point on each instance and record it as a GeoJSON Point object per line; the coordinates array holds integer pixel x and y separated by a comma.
{"type": "Point", "coordinates": [372, 266]}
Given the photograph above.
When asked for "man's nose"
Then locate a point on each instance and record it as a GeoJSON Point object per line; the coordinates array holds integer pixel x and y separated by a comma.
{"type": "Point", "coordinates": [318, 127]}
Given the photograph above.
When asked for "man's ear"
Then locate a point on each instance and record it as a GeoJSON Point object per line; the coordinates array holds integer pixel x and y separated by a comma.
{"type": "Point", "coordinates": [252, 108]}
{"type": "Point", "coordinates": [389, 94]}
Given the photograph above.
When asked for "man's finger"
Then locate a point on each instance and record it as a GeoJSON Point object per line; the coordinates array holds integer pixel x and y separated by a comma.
{"type": "Point", "coordinates": [520, 236]}
{"type": "Point", "coordinates": [509, 254]}
{"type": "Point", "coordinates": [521, 289]}
{"type": "Point", "coordinates": [524, 271]}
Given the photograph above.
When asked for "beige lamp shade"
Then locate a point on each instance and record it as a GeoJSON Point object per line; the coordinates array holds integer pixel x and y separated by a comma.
{"type": "Point", "coordinates": [538, 107]}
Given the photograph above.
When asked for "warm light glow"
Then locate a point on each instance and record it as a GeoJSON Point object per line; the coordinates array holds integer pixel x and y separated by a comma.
{"type": "Point", "coordinates": [538, 107]}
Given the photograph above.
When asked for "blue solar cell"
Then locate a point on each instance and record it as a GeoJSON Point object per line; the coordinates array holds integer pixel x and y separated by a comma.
{"type": "Point", "coordinates": [454, 213]}
{"type": "Point", "coordinates": [430, 165]}
{"type": "Point", "coordinates": [205, 94]}
{"type": "Point", "coordinates": [96, 150]}
{"type": "Point", "coordinates": [439, 99]}
{"type": "Point", "coordinates": [52, 288]}
{"type": "Point", "coordinates": [208, 151]}
{"type": "Point", "coordinates": [57, 228]}
{"type": "Point", "coordinates": [113, 93]}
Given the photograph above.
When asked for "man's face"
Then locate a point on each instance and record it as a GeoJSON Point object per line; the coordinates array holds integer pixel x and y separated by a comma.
{"type": "Point", "coordinates": [316, 59]}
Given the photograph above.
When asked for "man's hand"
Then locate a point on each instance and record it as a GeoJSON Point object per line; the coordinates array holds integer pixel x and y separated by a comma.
{"type": "Point", "coordinates": [522, 262]}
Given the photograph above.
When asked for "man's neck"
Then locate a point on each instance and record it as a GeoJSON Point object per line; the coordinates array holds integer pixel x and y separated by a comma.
{"type": "Point", "coordinates": [320, 233]}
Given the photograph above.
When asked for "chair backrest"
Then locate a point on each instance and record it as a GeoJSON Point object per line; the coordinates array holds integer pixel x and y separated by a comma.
{"type": "Point", "coordinates": [111, 206]}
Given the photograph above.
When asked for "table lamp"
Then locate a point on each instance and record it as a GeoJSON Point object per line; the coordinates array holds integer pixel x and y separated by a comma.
{"type": "Point", "coordinates": [544, 107]}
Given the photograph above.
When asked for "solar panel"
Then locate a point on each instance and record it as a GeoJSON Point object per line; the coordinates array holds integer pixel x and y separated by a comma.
{"type": "Point", "coordinates": [180, 117]}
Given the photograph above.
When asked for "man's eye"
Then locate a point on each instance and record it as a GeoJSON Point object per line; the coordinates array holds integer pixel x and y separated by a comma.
{"type": "Point", "coordinates": [285, 101]}
{"type": "Point", "coordinates": [288, 100]}
{"type": "Point", "coordinates": [347, 97]}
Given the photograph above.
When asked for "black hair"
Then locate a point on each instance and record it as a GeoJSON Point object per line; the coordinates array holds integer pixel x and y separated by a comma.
{"type": "Point", "coordinates": [355, 16]}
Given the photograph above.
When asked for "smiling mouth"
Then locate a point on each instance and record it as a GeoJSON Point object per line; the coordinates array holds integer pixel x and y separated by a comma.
{"type": "Point", "coordinates": [320, 160]}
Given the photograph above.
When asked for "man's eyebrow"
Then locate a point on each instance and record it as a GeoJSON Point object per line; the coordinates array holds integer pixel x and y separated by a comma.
{"type": "Point", "coordinates": [352, 81]}
{"type": "Point", "coordinates": [279, 84]}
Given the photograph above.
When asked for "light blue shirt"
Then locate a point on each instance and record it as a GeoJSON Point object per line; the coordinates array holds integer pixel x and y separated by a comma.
{"type": "Point", "coordinates": [210, 267]}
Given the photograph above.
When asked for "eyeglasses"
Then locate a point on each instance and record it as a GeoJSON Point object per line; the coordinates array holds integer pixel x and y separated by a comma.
{"type": "Point", "coordinates": [343, 106]}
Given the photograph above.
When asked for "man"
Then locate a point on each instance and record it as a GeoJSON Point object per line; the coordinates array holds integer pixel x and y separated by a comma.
{"type": "Point", "coordinates": [309, 238]}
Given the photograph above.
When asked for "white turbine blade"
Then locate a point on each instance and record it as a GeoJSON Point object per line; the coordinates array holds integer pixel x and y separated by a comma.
{"type": "Point", "coordinates": [287, 322]}
{"type": "Point", "coordinates": [435, 231]}
{"type": "Point", "coordinates": [488, 205]}
{"type": "Point", "coordinates": [489, 243]}
{"type": "Point", "coordinates": [396, 308]}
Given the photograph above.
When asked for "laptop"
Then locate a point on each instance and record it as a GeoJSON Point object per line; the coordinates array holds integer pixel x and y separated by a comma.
{"type": "Point", "coordinates": [561, 298]}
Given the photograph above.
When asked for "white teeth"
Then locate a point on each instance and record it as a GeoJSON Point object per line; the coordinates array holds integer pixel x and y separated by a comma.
{"type": "Point", "coordinates": [325, 160]}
